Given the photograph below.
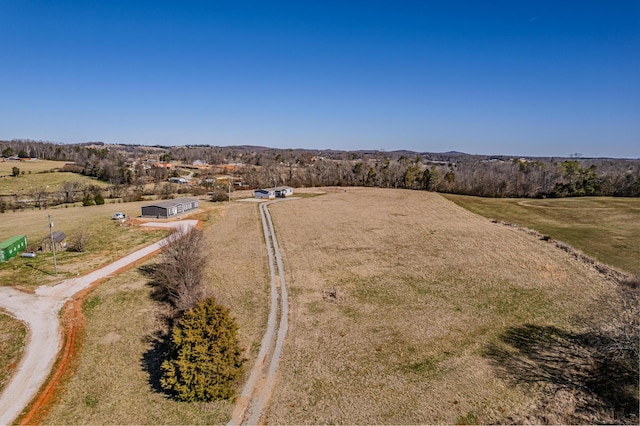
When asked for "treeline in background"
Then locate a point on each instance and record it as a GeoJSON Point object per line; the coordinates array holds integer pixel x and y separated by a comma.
{"type": "Point", "coordinates": [128, 168]}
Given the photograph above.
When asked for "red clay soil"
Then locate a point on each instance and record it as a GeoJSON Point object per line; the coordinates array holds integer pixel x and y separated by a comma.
{"type": "Point", "coordinates": [73, 322]}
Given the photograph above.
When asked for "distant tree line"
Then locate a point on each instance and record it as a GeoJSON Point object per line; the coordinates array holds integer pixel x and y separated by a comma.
{"type": "Point", "coordinates": [452, 172]}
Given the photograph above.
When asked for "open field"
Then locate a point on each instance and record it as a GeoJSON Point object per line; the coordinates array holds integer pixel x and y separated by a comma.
{"type": "Point", "coordinates": [36, 166]}
{"type": "Point", "coordinates": [107, 241]}
{"type": "Point", "coordinates": [112, 384]}
{"type": "Point", "coordinates": [405, 308]}
{"type": "Point", "coordinates": [603, 227]}
{"type": "Point", "coordinates": [12, 340]}
{"type": "Point", "coordinates": [51, 182]}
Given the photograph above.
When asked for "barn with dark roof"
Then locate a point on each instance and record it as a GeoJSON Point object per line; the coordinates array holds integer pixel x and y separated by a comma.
{"type": "Point", "coordinates": [169, 208]}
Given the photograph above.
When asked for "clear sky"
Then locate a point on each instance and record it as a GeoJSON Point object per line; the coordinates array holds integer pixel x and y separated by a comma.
{"type": "Point", "coordinates": [487, 77]}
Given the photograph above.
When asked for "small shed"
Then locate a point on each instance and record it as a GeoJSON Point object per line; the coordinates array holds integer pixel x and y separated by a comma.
{"type": "Point", "coordinates": [169, 208]}
{"type": "Point", "coordinates": [57, 238]}
{"type": "Point", "coordinates": [269, 193]}
{"type": "Point", "coordinates": [12, 246]}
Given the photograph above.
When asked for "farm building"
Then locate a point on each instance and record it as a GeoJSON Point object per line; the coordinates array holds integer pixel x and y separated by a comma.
{"type": "Point", "coordinates": [169, 208]}
{"type": "Point", "coordinates": [58, 238]}
{"type": "Point", "coordinates": [270, 193]}
{"type": "Point", "coordinates": [12, 246]}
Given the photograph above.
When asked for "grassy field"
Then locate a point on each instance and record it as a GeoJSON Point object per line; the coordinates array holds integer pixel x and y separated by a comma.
{"type": "Point", "coordinates": [38, 174]}
{"type": "Point", "coordinates": [37, 166]}
{"type": "Point", "coordinates": [108, 240]}
{"type": "Point", "coordinates": [113, 384]}
{"type": "Point", "coordinates": [603, 227]}
{"type": "Point", "coordinates": [12, 339]}
{"type": "Point", "coordinates": [405, 308]}
{"type": "Point", "coordinates": [23, 184]}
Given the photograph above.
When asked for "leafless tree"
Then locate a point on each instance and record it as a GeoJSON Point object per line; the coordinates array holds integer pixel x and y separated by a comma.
{"type": "Point", "coordinates": [180, 275]}
{"type": "Point", "coordinates": [79, 240]}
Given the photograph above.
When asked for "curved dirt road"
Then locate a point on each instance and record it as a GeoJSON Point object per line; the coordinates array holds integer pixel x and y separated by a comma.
{"type": "Point", "coordinates": [40, 311]}
{"type": "Point", "coordinates": [256, 391]}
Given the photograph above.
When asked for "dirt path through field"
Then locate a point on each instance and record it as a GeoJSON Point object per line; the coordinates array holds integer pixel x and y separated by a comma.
{"type": "Point", "coordinates": [257, 390]}
{"type": "Point", "coordinates": [40, 313]}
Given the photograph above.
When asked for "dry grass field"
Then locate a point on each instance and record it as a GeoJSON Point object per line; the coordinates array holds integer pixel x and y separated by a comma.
{"type": "Point", "coordinates": [606, 228]}
{"type": "Point", "coordinates": [12, 339]}
{"type": "Point", "coordinates": [51, 182]}
{"type": "Point", "coordinates": [37, 166]}
{"type": "Point", "coordinates": [108, 241]}
{"type": "Point", "coordinates": [405, 308]}
{"type": "Point", "coordinates": [113, 384]}
{"type": "Point", "coordinates": [39, 174]}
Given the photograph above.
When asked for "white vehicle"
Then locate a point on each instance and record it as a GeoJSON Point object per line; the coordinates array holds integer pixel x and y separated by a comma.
{"type": "Point", "coordinates": [118, 216]}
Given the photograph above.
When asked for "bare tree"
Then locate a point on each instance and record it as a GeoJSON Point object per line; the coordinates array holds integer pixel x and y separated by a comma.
{"type": "Point", "coordinates": [79, 240]}
{"type": "Point", "coordinates": [180, 275]}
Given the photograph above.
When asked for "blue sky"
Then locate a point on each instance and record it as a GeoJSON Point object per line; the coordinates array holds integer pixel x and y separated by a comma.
{"type": "Point", "coordinates": [487, 77]}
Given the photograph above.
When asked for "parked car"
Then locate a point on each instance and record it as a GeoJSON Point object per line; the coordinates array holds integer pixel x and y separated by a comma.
{"type": "Point", "coordinates": [118, 216]}
{"type": "Point", "coordinates": [27, 254]}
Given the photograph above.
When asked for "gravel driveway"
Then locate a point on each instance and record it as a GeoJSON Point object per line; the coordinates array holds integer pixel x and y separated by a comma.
{"type": "Point", "coordinates": [39, 312]}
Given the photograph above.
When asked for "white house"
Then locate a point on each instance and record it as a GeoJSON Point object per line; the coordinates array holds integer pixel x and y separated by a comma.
{"type": "Point", "coordinates": [269, 193]}
{"type": "Point", "coordinates": [283, 191]}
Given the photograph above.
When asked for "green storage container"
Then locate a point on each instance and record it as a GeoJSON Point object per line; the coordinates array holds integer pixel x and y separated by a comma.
{"type": "Point", "coordinates": [12, 246]}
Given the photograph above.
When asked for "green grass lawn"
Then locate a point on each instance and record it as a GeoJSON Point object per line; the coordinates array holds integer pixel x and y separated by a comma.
{"type": "Point", "coordinates": [603, 227]}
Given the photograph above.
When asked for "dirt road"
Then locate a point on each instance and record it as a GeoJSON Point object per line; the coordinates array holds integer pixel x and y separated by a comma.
{"type": "Point", "coordinates": [255, 394]}
{"type": "Point", "coordinates": [40, 311]}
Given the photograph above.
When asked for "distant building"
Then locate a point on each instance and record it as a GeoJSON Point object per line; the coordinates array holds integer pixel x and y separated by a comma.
{"type": "Point", "coordinates": [179, 180]}
{"type": "Point", "coordinates": [265, 193]}
{"type": "Point", "coordinates": [167, 166]}
{"type": "Point", "coordinates": [270, 193]}
{"type": "Point", "coordinates": [169, 208]}
{"type": "Point", "coordinates": [283, 191]}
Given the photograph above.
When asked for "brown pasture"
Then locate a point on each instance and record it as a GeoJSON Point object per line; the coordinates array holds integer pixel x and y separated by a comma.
{"type": "Point", "coordinates": [400, 301]}
{"type": "Point", "coordinates": [116, 380]}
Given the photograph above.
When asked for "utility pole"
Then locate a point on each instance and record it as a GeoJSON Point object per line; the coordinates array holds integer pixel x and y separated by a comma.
{"type": "Point", "coordinates": [53, 246]}
{"type": "Point", "coordinates": [229, 181]}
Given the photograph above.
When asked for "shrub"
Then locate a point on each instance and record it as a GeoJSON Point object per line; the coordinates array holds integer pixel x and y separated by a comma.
{"type": "Point", "coordinates": [98, 199]}
{"type": "Point", "coordinates": [219, 195]}
{"type": "Point", "coordinates": [204, 358]}
{"type": "Point", "coordinates": [79, 240]}
{"type": "Point", "coordinates": [88, 200]}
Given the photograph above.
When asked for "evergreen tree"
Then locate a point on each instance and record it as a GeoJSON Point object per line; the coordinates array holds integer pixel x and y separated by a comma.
{"type": "Point", "coordinates": [204, 357]}
{"type": "Point", "coordinates": [98, 199]}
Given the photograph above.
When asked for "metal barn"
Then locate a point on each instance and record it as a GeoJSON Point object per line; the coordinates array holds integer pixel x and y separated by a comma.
{"type": "Point", "coordinates": [169, 208]}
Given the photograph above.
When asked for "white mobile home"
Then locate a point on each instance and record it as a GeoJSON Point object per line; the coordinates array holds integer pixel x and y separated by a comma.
{"type": "Point", "coordinates": [265, 193]}
{"type": "Point", "coordinates": [283, 191]}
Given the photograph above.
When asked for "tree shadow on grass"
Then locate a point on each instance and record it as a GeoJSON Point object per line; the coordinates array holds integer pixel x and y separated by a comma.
{"type": "Point", "coordinates": [599, 385]}
{"type": "Point", "coordinates": [159, 341]}
{"type": "Point", "coordinates": [158, 293]}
